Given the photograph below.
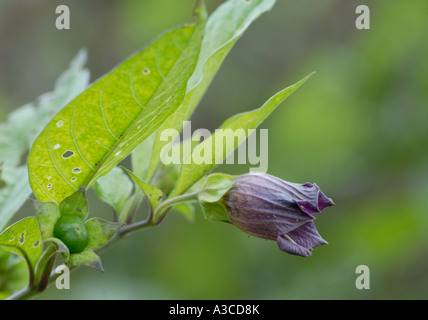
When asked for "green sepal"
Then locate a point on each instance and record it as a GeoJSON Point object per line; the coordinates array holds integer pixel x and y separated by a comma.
{"type": "Point", "coordinates": [101, 231]}
{"type": "Point", "coordinates": [76, 204]}
{"type": "Point", "coordinates": [48, 214]}
{"type": "Point", "coordinates": [62, 248]}
{"type": "Point", "coordinates": [215, 211]}
{"type": "Point", "coordinates": [86, 258]}
{"type": "Point", "coordinates": [215, 187]}
{"type": "Point", "coordinates": [211, 196]}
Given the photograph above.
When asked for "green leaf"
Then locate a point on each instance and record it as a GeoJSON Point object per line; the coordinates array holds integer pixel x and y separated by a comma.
{"type": "Point", "coordinates": [101, 231]}
{"type": "Point", "coordinates": [24, 238]}
{"type": "Point", "coordinates": [101, 126]}
{"type": "Point", "coordinates": [22, 127]}
{"type": "Point", "coordinates": [216, 150]}
{"type": "Point", "coordinates": [14, 193]}
{"type": "Point", "coordinates": [75, 204]}
{"type": "Point", "coordinates": [86, 258]}
{"type": "Point", "coordinates": [224, 27]}
{"type": "Point", "coordinates": [115, 188]}
{"type": "Point", "coordinates": [141, 157]}
{"type": "Point", "coordinates": [48, 214]}
{"type": "Point", "coordinates": [153, 194]}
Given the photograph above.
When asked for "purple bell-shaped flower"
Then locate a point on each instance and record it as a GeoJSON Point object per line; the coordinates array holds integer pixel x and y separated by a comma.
{"type": "Point", "coordinates": [267, 207]}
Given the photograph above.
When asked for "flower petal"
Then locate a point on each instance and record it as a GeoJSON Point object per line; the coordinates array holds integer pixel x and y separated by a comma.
{"type": "Point", "coordinates": [292, 247]}
{"type": "Point", "coordinates": [307, 236]}
{"type": "Point", "coordinates": [324, 201]}
{"type": "Point", "coordinates": [315, 200]}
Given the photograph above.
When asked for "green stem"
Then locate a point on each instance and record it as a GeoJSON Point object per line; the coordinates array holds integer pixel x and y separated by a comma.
{"type": "Point", "coordinates": [41, 275]}
{"type": "Point", "coordinates": [161, 210]}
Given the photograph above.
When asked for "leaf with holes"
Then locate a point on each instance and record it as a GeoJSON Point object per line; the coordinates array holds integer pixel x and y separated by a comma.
{"type": "Point", "coordinates": [21, 128]}
{"type": "Point", "coordinates": [101, 126]}
{"type": "Point", "coordinates": [224, 27]}
{"type": "Point", "coordinates": [24, 238]}
{"type": "Point", "coordinates": [214, 148]}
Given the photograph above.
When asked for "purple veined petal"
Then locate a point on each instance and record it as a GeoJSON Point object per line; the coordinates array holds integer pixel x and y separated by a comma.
{"type": "Point", "coordinates": [307, 236]}
{"type": "Point", "coordinates": [271, 208]}
{"type": "Point", "coordinates": [292, 247]}
{"type": "Point", "coordinates": [324, 201]}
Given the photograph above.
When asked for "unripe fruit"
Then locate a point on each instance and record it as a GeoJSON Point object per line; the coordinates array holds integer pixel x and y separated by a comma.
{"type": "Point", "coordinates": [71, 230]}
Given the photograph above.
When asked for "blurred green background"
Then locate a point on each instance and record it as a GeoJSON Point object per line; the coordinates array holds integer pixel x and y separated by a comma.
{"type": "Point", "coordinates": [358, 128]}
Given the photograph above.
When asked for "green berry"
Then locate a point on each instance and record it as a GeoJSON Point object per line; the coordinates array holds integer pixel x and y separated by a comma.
{"type": "Point", "coordinates": [71, 230]}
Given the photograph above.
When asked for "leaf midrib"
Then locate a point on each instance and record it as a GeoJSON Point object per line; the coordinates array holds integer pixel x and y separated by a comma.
{"type": "Point", "coordinates": [133, 124]}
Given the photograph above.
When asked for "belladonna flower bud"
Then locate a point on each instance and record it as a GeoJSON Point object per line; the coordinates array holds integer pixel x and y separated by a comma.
{"type": "Point", "coordinates": [267, 207]}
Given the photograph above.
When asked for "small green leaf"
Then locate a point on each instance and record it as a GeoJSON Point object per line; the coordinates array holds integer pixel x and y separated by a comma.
{"type": "Point", "coordinates": [153, 194]}
{"type": "Point", "coordinates": [115, 188]}
{"type": "Point", "coordinates": [24, 238]}
{"type": "Point", "coordinates": [100, 232]}
{"type": "Point", "coordinates": [224, 27]}
{"type": "Point", "coordinates": [101, 126]}
{"type": "Point", "coordinates": [75, 204]}
{"type": "Point", "coordinates": [216, 150]}
{"type": "Point", "coordinates": [48, 214]}
{"type": "Point", "coordinates": [86, 258]}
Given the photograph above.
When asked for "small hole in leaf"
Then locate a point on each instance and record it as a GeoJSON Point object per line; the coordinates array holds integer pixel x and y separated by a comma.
{"type": "Point", "coordinates": [67, 154]}
{"type": "Point", "coordinates": [77, 170]}
{"type": "Point", "coordinates": [48, 177]}
{"type": "Point", "coordinates": [59, 124]}
{"type": "Point", "coordinates": [146, 71]}
{"type": "Point", "coordinates": [22, 238]}
{"type": "Point", "coordinates": [49, 186]}
{"type": "Point", "coordinates": [36, 244]}
{"type": "Point", "coordinates": [73, 179]}
{"type": "Point", "coordinates": [57, 146]}
{"type": "Point", "coordinates": [117, 153]}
